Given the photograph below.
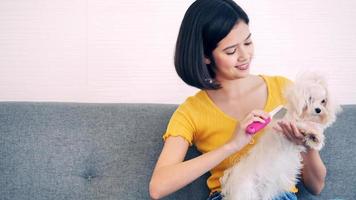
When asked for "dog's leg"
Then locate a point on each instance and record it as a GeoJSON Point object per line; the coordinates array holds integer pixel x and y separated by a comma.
{"type": "Point", "coordinates": [313, 134]}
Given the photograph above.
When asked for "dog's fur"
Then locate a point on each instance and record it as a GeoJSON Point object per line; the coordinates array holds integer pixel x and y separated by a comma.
{"type": "Point", "coordinates": [273, 165]}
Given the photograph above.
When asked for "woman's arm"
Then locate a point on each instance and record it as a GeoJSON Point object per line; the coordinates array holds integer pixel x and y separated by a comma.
{"type": "Point", "coordinates": [313, 172]}
{"type": "Point", "coordinates": [172, 174]}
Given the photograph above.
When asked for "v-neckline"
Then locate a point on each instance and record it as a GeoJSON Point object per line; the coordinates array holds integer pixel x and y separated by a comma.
{"type": "Point", "coordinates": [233, 118]}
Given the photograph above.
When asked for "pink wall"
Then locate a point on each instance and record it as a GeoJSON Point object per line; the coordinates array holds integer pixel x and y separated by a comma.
{"type": "Point", "coordinates": [122, 51]}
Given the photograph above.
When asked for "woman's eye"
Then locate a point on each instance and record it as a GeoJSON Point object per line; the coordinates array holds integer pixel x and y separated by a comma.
{"type": "Point", "coordinates": [248, 43]}
{"type": "Point", "coordinates": [230, 53]}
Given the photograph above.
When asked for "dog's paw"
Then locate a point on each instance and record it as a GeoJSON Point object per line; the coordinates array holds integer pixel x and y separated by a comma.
{"type": "Point", "coordinates": [314, 139]}
{"type": "Point", "coordinates": [313, 135]}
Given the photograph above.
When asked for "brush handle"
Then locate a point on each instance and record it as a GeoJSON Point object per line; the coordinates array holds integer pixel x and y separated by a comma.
{"type": "Point", "coordinates": [256, 126]}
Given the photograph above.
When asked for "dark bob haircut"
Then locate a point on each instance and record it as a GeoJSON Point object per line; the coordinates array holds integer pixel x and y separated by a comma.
{"type": "Point", "coordinates": [204, 25]}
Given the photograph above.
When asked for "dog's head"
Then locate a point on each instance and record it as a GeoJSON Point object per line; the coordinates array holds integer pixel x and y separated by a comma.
{"type": "Point", "coordinates": [309, 99]}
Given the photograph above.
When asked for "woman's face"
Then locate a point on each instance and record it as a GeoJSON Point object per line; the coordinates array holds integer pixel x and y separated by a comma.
{"type": "Point", "coordinates": [233, 54]}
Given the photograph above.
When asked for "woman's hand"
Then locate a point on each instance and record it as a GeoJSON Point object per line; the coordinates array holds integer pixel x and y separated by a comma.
{"type": "Point", "coordinates": [314, 170]}
{"type": "Point", "coordinates": [291, 132]}
{"type": "Point", "coordinates": [240, 137]}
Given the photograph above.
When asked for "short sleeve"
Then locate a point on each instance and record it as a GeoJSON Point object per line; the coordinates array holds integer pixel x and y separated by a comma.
{"type": "Point", "coordinates": [180, 125]}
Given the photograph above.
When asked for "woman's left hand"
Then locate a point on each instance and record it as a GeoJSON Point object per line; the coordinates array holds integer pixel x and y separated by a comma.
{"type": "Point", "coordinates": [314, 170]}
{"type": "Point", "coordinates": [290, 130]}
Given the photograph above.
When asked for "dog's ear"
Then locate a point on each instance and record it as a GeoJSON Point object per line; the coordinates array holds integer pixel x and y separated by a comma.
{"type": "Point", "coordinates": [296, 99]}
{"type": "Point", "coordinates": [332, 107]}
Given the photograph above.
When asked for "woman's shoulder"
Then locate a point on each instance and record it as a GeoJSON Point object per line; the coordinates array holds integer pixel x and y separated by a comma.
{"type": "Point", "coordinates": [277, 86]}
{"type": "Point", "coordinates": [194, 102]}
{"type": "Point", "coordinates": [277, 80]}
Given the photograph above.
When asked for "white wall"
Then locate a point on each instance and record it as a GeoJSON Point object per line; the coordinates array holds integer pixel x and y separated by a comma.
{"type": "Point", "coordinates": [122, 50]}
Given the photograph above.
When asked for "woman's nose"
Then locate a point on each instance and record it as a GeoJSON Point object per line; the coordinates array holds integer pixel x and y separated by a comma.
{"type": "Point", "coordinates": [243, 55]}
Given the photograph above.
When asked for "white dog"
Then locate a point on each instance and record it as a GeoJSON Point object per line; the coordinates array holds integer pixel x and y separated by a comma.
{"type": "Point", "coordinates": [273, 166]}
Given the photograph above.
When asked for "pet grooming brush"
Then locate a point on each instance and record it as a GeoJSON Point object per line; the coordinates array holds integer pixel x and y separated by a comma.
{"type": "Point", "coordinates": [276, 113]}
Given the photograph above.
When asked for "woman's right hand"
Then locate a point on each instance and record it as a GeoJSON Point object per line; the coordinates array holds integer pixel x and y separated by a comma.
{"type": "Point", "coordinates": [240, 138]}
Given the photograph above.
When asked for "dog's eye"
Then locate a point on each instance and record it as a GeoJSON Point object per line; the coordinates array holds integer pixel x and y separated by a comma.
{"type": "Point", "coordinates": [310, 99]}
{"type": "Point", "coordinates": [323, 101]}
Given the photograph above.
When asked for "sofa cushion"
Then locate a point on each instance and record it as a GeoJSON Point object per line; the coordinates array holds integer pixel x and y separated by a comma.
{"type": "Point", "coordinates": [108, 151]}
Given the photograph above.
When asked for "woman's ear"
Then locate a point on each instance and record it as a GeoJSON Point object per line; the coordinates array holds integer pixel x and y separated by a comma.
{"type": "Point", "coordinates": [207, 61]}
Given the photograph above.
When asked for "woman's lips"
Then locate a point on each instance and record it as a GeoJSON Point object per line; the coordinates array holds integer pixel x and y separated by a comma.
{"type": "Point", "coordinates": [243, 67]}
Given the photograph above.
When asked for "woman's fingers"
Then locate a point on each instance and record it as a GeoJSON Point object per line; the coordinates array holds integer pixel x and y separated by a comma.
{"type": "Point", "coordinates": [257, 119]}
{"type": "Point", "coordinates": [285, 130]}
{"type": "Point", "coordinates": [277, 128]}
{"type": "Point", "coordinates": [252, 117]}
{"type": "Point", "coordinates": [288, 128]}
{"type": "Point", "coordinates": [252, 120]}
{"type": "Point", "coordinates": [297, 133]}
{"type": "Point", "coordinates": [260, 113]}
{"type": "Point", "coordinates": [291, 131]}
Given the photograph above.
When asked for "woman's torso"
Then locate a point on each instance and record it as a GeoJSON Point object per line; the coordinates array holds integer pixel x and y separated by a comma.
{"type": "Point", "coordinates": [213, 124]}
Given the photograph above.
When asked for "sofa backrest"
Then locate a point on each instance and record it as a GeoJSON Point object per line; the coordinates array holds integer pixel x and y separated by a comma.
{"type": "Point", "coordinates": [108, 151]}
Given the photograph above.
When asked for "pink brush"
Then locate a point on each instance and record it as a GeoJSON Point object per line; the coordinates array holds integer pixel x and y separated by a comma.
{"type": "Point", "coordinates": [254, 127]}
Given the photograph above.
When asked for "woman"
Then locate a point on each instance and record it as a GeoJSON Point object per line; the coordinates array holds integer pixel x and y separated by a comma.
{"type": "Point", "coordinates": [214, 51]}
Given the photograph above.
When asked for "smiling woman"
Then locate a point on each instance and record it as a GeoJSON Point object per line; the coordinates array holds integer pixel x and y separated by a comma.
{"type": "Point", "coordinates": [213, 53]}
{"type": "Point", "coordinates": [239, 54]}
{"type": "Point", "coordinates": [211, 29]}
{"type": "Point", "coordinates": [121, 52]}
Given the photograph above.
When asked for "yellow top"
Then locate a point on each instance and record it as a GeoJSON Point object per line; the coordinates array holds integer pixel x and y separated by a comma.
{"type": "Point", "coordinates": [202, 123]}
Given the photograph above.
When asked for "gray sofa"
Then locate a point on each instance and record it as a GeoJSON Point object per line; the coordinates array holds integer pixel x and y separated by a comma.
{"type": "Point", "coordinates": [52, 151]}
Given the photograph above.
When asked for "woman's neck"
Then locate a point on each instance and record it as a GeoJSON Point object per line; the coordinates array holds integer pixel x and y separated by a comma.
{"type": "Point", "coordinates": [235, 89]}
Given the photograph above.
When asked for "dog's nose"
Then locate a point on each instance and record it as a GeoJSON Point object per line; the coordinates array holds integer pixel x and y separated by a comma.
{"type": "Point", "coordinates": [317, 110]}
